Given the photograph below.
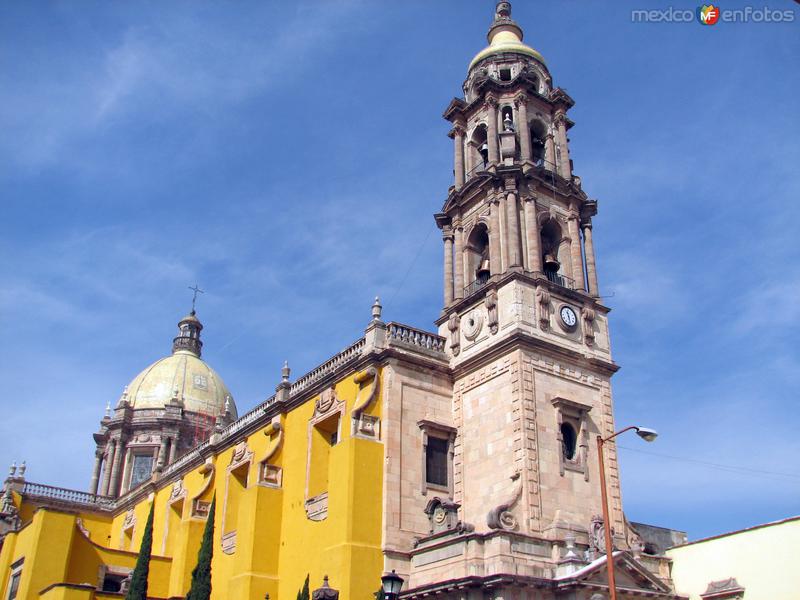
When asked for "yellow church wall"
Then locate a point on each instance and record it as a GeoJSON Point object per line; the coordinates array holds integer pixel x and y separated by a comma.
{"type": "Point", "coordinates": [762, 559]}
{"type": "Point", "coordinates": [276, 544]}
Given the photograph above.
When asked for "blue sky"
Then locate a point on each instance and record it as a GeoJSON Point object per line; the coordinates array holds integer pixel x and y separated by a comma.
{"type": "Point", "coordinates": [288, 156]}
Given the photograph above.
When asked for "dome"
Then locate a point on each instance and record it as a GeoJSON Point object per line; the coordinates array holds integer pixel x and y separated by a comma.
{"type": "Point", "coordinates": [185, 376]}
{"type": "Point", "coordinates": [505, 36]}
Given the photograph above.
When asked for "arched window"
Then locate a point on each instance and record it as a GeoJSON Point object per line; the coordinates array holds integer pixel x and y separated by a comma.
{"type": "Point", "coordinates": [478, 151]}
{"type": "Point", "coordinates": [507, 114]}
{"type": "Point", "coordinates": [569, 439]}
{"type": "Point", "coordinates": [538, 134]}
{"type": "Point", "coordinates": [551, 241]}
{"type": "Point", "coordinates": [477, 248]}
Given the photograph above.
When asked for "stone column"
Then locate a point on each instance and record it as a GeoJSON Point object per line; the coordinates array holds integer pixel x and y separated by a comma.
{"type": "Point", "coordinates": [512, 211]}
{"type": "Point", "coordinates": [523, 128]}
{"type": "Point", "coordinates": [109, 460]}
{"type": "Point", "coordinates": [591, 268]}
{"type": "Point", "coordinates": [533, 236]}
{"type": "Point", "coordinates": [458, 267]}
{"type": "Point", "coordinates": [575, 253]}
{"type": "Point", "coordinates": [550, 153]}
{"type": "Point", "coordinates": [162, 453]}
{"type": "Point", "coordinates": [563, 168]}
{"type": "Point", "coordinates": [457, 133]}
{"type": "Point", "coordinates": [447, 236]}
{"type": "Point", "coordinates": [98, 461]}
{"type": "Point", "coordinates": [113, 486]}
{"type": "Point", "coordinates": [173, 448]}
{"type": "Point", "coordinates": [491, 129]}
{"type": "Point", "coordinates": [494, 237]}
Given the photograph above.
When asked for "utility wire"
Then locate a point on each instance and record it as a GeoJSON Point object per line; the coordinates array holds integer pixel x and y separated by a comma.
{"type": "Point", "coordinates": [718, 466]}
{"type": "Point", "coordinates": [411, 266]}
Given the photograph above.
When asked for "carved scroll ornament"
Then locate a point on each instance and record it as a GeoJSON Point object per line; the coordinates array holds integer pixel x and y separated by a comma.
{"type": "Point", "coordinates": [501, 517]}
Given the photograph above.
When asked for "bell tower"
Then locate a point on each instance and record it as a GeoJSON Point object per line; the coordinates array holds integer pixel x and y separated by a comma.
{"type": "Point", "coordinates": [527, 334]}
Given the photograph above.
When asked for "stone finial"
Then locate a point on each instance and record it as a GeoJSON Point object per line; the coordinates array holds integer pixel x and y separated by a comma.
{"type": "Point", "coordinates": [12, 470]}
{"type": "Point", "coordinates": [107, 413]}
{"type": "Point", "coordinates": [376, 309]}
{"type": "Point", "coordinates": [508, 124]}
{"type": "Point", "coordinates": [227, 404]}
{"type": "Point", "coordinates": [569, 542]}
{"type": "Point", "coordinates": [22, 468]}
{"type": "Point", "coordinates": [285, 372]}
{"type": "Point", "coordinates": [325, 592]}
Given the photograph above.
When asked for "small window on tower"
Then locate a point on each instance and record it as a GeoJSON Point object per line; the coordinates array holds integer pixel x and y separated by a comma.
{"type": "Point", "coordinates": [569, 440]}
{"type": "Point", "coordinates": [505, 74]}
{"type": "Point", "coordinates": [436, 452]}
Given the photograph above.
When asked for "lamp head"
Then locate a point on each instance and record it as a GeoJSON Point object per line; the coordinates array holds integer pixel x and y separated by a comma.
{"type": "Point", "coordinates": [391, 582]}
{"type": "Point", "coordinates": [647, 434]}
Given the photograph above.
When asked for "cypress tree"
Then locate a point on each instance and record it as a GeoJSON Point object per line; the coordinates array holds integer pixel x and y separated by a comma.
{"type": "Point", "coordinates": [138, 587]}
{"type": "Point", "coordinates": [304, 594]}
{"type": "Point", "coordinates": [201, 575]}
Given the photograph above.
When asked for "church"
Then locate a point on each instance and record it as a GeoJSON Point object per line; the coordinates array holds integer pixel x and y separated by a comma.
{"type": "Point", "coordinates": [464, 459]}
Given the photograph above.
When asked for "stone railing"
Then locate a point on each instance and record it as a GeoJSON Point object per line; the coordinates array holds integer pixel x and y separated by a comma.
{"type": "Point", "coordinates": [49, 492]}
{"type": "Point", "coordinates": [247, 418]}
{"type": "Point", "coordinates": [344, 357]}
{"type": "Point", "coordinates": [412, 336]}
{"type": "Point", "coordinates": [195, 453]}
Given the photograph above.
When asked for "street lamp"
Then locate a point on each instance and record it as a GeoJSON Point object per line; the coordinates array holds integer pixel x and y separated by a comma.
{"type": "Point", "coordinates": [391, 582]}
{"type": "Point", "coordinates": [648, 435]}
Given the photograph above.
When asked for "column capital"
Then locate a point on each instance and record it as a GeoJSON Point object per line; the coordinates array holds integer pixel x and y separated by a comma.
{"type": "Point", "coordinates": [447, 233]}
{"type": "Point", "coordinates": [586, 224]}
{"type": "Point", "coordinates": [456, 131]}
{"type": "Point", "coordinates": [490, 100]}
{"type": "Point", "coordinates": [560, 118]}
{"type": "Point", "coordinates": [521, 99]}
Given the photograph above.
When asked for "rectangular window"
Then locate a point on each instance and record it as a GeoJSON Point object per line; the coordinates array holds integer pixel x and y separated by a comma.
{"type": "Point", "coordinates": [505, 74]}
{"type": "Point", "coordinates": [436, 459]}
{"type": "Point", "coordinates": [13, 586]}
{"type": "Point", "coordinates": [142, 469]}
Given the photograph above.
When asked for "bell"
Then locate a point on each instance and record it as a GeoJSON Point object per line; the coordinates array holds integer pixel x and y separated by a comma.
{"type": "Point", "coordinates": [551, 263]}
{"type": "Point", "coordinates": [482, 272]}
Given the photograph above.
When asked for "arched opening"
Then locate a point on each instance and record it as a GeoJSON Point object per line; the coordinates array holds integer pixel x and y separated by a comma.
{"type": "Point", "coordinates": [551, 241]}
{"type": "Point", "coordinates": [538, 134]}
{"type": "Point", "coordinates": [507, 114]}
{"type": "Point", "coordinates": [477, 248]}
{"type": "Point", "coordinates": [569, 439]}
{"type": "Point", "coordinates": [478, 150]}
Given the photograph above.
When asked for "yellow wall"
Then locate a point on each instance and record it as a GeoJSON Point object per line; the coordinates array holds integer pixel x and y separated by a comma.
{"type": "Point", "coordinates": [761, 559]}
{"type": "Point", "coordinates": [276, 544]}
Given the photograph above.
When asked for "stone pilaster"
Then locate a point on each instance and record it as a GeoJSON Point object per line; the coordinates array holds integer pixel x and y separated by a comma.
{"type": "Point", "coordinates": [173, 448]}
{"type": "Point", "coordinates": [514, 257]}
{"type": "Point", "coordinates": [575, 253]}
{"type": "Point", "coordinates": [533, 236]}
{"type": "Point", "coordinates": [98, 462]}
{"type": "Point", "coordinates": [494, 237]}
{"type": "Point", "coordinates": [457, 134]}
{"type": "Point", "coordinates": [591, 268]}
{"type": "Point", "coordinates": [491, 129]}
{"type": "Point", "coordinates": [561, 136]}
{"type": "Point", "coordinates": [447, 236]}
{"type": "Point", "coordinates": [119, 450]}
{"type": "Point", "coordinates": [550, 153]}
{"type": "Point", "coordinates": [458, 267]}
{"type": "Point", "coordinates": [111, 448]}
{"type": "Point", "coordinates": [523, 128]}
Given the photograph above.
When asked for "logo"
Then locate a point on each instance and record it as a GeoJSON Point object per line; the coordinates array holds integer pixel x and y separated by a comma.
{"type": "Point", "coordinates": [708, 15]}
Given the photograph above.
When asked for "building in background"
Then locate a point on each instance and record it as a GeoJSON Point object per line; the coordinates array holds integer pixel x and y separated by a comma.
{"type": "Point", "coordinates": [462, 459]}
{"type": "Point", "coordinates": [757, 563]}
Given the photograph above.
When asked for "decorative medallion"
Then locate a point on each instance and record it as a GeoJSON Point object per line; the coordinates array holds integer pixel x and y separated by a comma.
{"type": "Point", "coordinates": [325, 401]}
{"type": "Point", "coordinates": [472, 324]}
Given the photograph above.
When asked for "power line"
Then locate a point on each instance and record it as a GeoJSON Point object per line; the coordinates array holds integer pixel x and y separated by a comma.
{"type": "Point", "coordinates": [718, 466]}
{"type": "Point", "coordinates": [411, 266]}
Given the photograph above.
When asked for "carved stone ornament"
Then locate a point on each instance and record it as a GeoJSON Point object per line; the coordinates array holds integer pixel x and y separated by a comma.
{"type": "Point", "coordinates": [177, 490]}
{"type": "Point", "coordinates": [130, 520]}
{"type": "Point", "coordinates": [325, 402]}
{"type": "Point", "coordinates": [442, 515]}
{"type": "Point", "coordinates": [588, 315]}
{"type": "Point", "coordinates": [473, 324]}
{"type": "Point", "coordinates": [453, 324]}
{"type": "Point", "coordinates": [325, 592]}
{"type": "Point", "coordinates": [597, 539]}
{"type": "Point", "coordinates": [240, 453]}
{"type": "Point", "coordinates": [501, 517]}
{"type": "Point", "coordinates": [363, 424]}
{"type": "Point", "coordinates": [317, 507]}
{"type": "Point", "coordinates": [725, 589]}
{"type": "Point", "coordinates": [543, 298]}
{"type": "Point", "coordinates": [491, 309]}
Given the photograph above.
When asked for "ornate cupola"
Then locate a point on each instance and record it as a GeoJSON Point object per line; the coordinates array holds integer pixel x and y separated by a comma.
{"type": "Point", "coordinates": [188, 340]}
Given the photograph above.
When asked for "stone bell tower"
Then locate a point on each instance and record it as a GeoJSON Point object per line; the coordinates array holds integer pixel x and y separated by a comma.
{"type": "Point", "coordinates": [526, 332]}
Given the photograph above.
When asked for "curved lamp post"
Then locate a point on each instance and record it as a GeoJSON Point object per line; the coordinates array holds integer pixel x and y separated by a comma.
{"type": "Point", "coordinates": [391, 583]}
{"type": "Point", "coordinates": [648, 435]}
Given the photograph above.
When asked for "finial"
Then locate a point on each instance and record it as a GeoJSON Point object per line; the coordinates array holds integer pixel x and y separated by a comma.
{"type": "Point", "coordinates": [108, 409]}
{"type": "Point", "coordinates": [285, 372]}
{"type": "Point", "coordinates": [508, 124]}
{"type": "Point", "coordinates": [502, 11]}
{"type": "Point", "coordinates": [12, 469]}
{"type": "Point", "coordinates": [376, 309]}
{"type": "Point", "coordinates": [196, 291]}
{"type": "Point", "coordinates": [227, 404]}
{"type": "Point", "coordinates": [22, 468]}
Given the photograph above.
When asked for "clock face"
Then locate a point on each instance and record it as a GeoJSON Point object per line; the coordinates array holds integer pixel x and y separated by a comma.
{"type": "Point", "coordinates": [568, 316]}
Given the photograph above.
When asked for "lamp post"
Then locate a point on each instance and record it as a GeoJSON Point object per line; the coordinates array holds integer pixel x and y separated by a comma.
{"type": "Point", "coordinates": [648, 435]}
{"type": "Point", "coordinates": [391, 583]}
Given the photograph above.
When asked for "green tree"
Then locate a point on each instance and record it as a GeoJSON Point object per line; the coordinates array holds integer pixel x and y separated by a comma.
{"type": "Point", "coordinates": [201, 575]}
{"type": "Point", "coordinates": [138, 586]}
{"type": "Point", "coordinates": [304, 593]}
